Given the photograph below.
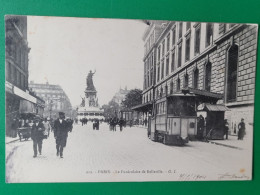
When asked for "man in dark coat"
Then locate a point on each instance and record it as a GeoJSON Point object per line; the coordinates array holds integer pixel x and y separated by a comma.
{"type": "Point", "coordinates": [121, 123]}
{"type": "Point", "coordinates": [61, 129]}
{"type": "Point", "coordinates": [241, 130]}
{"type": "Point", "coordinates": [226, 128]}
{"type": "Point", "coordinates": [200, 126]}
{"type": "Point", "coordinates": [37, 136]}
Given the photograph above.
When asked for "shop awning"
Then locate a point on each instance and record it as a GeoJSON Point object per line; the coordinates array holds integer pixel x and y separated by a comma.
{"type": "Point", "coordinates": [213, 108]}
{"type": "Point", "coordinates": [143, 107]}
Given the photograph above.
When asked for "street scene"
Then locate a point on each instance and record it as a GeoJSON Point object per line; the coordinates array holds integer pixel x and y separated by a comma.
{"type": "Point", "coordinates": [104, 155]}
{"type": "Point", "coordinates": [105, 100]}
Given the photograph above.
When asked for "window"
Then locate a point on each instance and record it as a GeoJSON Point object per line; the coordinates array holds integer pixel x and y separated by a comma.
{"type": "Point", "coordinates": [179, 55]}
{"type": "Point", "coordinates": [15, 77]}
{"type": "Point", "coordinates": [181, 106]}
{"type": "Point", "coordinates": [232, 73]}
{"type": "Point", "coordinates": [178, 87]}
{"type": "Point", "coordinates": [9, 69]}
{"type": "Point", "coordinates": [180, 30]}
{"type": "Point", "coordinates": [168, 42]}
{"type": "Point", "coordinates": [22, 81]}
{"type": "Point", "coordinates": [145, 82]}
{"type": "Point", "coordinates": [186, 81]}
{"type": "Point", "coordinates": [173, 61]}
{"type": "Point", "coordinates": [173, 36]}
{"type": "Point", "coordinates": [162, 71]}
{"type": "Point", "coordinates": [166, 89]}
{"type": "Point", "coordinates": [197, 41]}
{"type": "Point", "coordinates": [167, 66]}
{"type": "Point", "coordinates": [158, 73]}
{"type": "Point", "coordinates": [171, 87]}
{"type": "Point", "coordinates": [151, 77]}
{"type": "Point", "coordinates": [209, 34]}
{"type": "Point", "coordinates": [196, 79]}
{"type": "Point", "coordinates": [161, 92]}
{"type": "Point", "coordinates": [188, 26]}
{"type": "Point", "coordinates": [159, 53]}
{"type": "Point", "coordinates": [208, 76]}
{"type": "Point", "coordinates": [187, 49]}
{"type": "Point", "coordinates": [148, 80]}
{"type": "Point", "coordinates": [163, 48]}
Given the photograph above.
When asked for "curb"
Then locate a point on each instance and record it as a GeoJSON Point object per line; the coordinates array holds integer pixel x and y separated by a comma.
{"type": "Point", "coordinates": [225, 145]}
{"type": "Point", "coordinates": [12, 141]}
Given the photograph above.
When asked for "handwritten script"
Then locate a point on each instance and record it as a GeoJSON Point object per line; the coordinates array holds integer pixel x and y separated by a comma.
{"type": "Point", "coordinates": [191, 177]}
{"type": "Point", "coordinates": [232, 176]}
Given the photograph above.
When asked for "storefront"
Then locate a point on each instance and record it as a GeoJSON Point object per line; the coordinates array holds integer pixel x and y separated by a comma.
{"type": "Point", "coordinates": [18, 103]}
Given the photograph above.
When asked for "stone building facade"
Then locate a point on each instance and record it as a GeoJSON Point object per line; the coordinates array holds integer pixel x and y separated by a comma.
{"type": "Point", "coordinates": [215, 57]}
{"type": "Point", "coordinates": [55, 99]}
{"type": "Point", "coordinates": [19, 99]}
{"type": "Point", "coordinates": [119, 97]}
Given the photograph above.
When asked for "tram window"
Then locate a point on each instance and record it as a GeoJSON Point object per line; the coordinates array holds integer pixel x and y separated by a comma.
{"type": "Point", "coordinates": [181, 107]}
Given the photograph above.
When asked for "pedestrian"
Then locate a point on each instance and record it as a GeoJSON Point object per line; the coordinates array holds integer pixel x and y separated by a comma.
{"type": "Point", "coordinates": [226, 128]}
{"type": "Point", "coordinates": [145, 122]}
{"type": "Point", "coordinates": [70, 124]}
{"type": "Point", "coordinates": [121, 123]}
{"type": "Point", "coordinates": [97, 124]}
{"type": "Point", "coordinates": [60, 133]}
{"type": "Point", "coordinates": [47, 127]}
{"type": "Point", "coordinates": [241, 130]}
{"type": "Point", "coordinates": [200, 123]}
{"type": "Point", "coordinates": [131, 123]}
{"type": "Point", "coordinates": [94, 124]}
{"type": "Point", "coordinates": [110, 121]}
{"type": "Point", "coordinates": [114, 123]}
{"type": "Point", "coordinates": [37, 136]}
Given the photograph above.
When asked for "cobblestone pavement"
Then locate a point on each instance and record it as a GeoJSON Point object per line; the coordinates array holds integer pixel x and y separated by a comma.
{"type": "Point", "coordinates": [95, 156]}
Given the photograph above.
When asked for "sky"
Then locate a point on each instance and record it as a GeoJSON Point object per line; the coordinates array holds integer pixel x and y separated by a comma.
{"type": "Point", "coordinates": [64, 50]}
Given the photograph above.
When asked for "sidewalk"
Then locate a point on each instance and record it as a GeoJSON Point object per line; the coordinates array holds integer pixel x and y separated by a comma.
{"type": "Point", "coordinates": [233, 142]}
{"type": "Point", "coordinates": [11, 139]}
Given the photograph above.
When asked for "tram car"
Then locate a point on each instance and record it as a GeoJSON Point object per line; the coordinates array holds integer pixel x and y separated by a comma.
{"type": "Point", "coordinates": [174, 119]}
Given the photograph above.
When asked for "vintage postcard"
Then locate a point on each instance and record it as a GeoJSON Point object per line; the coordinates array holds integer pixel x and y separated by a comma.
{"type": "Point", "coordinates": [114, 100]}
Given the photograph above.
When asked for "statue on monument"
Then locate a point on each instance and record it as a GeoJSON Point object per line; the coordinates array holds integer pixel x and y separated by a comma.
{"type": "Point", "coordinates": [82, 102]}
{"type": "Point", "coordinates": [90, 84]}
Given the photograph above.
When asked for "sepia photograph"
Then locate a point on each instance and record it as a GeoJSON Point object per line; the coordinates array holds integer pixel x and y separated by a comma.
{"type": "Point", "coordinates": [119, 100]}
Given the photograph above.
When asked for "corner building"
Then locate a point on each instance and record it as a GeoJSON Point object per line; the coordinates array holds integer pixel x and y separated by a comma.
{"type": "Point", "coordinates": [55, 97]}
{"type": "Point", "coordinates": [215, 57]}
{"type": "Point", "coordinates": [19, 100]}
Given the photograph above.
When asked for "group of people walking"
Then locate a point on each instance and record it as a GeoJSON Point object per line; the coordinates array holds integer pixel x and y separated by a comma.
{"type": "Point", "coordinates": [113, 122]}
{"type": "Point", "coordinates": [61, 127]}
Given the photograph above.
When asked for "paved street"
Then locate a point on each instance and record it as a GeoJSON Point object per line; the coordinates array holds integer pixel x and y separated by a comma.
{"type": "Point", "coordinates": [123, 156]}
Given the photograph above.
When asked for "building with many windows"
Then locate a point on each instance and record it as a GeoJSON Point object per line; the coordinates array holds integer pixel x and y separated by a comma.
{"type": "Point", "coordinates": [119, 97]}
{"type": "Point", "coordinates": [214, 57]}
{"type": "Point", "coordinates": [55, 98]}
{"type": "Point", "coordinates": [19, 99]}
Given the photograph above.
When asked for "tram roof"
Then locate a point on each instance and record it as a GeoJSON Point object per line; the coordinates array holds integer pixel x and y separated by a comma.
{"type": "Point", "coordinates": [213, 108]}
{"type": "Point", "coordinates": [202, 93]}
